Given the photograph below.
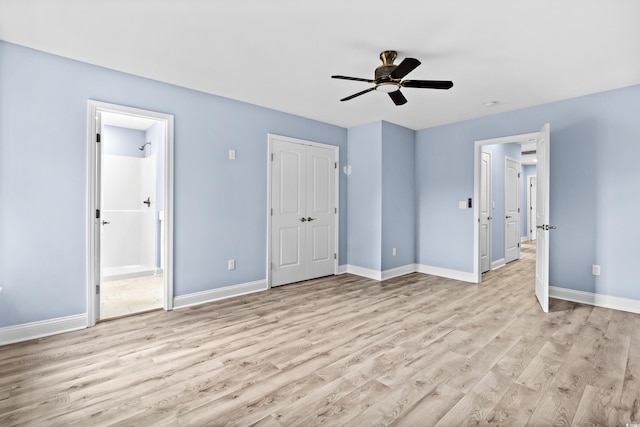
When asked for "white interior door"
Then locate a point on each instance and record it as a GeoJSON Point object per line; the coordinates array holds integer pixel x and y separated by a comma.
{"type": "Point", "coordinates": [512, 210]}
{"type": "Point", "coordinates": [303, 212]}
{"type": "Point", "coordinates": [97, 194]}
{"type": "Point", "coordinates": [485, 211]}
{"type": "Point", "coordinates": [533, 188]}
{"type": "Point", "coordinates": [542, 218]}
{"type": "Point", "coordinates": [320, 211]}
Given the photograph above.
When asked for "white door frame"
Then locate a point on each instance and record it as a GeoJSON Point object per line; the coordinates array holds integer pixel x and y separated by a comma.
{"type": "Point", "coordinates": [93, 250]}
{"type": "Point", "coordinates": [518, 199]}
{"type": "Point", "coordinates": [522, 138]}
{"type": "Point", "coordinates": [336, 150]}
{"type": "Point", "coordinates": [531, 227]}
{"type": "Point", "coordinates": [489, 196]}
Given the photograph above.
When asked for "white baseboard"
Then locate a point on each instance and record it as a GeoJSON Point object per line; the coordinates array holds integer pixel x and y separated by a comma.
{"type": "Point", "coordinates": [445, 272]}
{"type": "Point", "coordinates": [524, 239]}
{"type": "Point", "coordinates": [219, 293]}
{"type": "Point", "coordinates": [364, 272]}
{"type": "Point", "coordinates": [599, 300]}
{"type": "Point", "coordinates": [398, 271]}
{"type": "Point", "coordinates": [42, 328]}
{"type": "Point", "coordinates": [380, 275]}
{"type": "Point", "coordinates": [497, 264]}
{"type": "Point", "coordinates": [342, 269]}
{"type": "Point", "coordinates": [410, 268]}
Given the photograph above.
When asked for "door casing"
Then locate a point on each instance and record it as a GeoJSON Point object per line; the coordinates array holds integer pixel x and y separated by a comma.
{"type": "Point", "coordinates": [271, 138]}
{"type": "Point", "coordinates": [531, 203]}
{"type": "Point", "coordinates": [485, 211]}
{"type": "Point", "coordinates": [93, 237]}
{"type": "Point", "coordinates": [514, 221]}
{"type": "Point", "coordinates": [521, 138]}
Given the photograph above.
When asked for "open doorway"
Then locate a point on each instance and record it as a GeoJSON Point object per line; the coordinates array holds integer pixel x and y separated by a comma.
{"type": "Point", "coordinates": [130, 211]}
{"type": "Point", "coordinates": [541, 140]}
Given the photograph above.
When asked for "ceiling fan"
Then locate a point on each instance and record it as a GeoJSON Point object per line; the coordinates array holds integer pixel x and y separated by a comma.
{"type": "Point", "coordinates": [388, 78]}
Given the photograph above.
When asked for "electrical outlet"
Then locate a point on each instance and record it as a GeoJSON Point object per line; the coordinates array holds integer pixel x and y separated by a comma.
{"type": "Point", "coordinates": [394, 252]}
{"type": "Point", "coordinates": [232, 264]}
{"type": "Point", "coordinates": [595, 270]}
{"type": "Point", "coordinates": [232, 154]}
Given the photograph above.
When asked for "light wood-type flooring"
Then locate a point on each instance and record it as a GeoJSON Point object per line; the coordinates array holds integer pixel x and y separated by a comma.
{"type": "Point", "coordinates": [412, 351]}
{"type": "Point", "coordinates": [133, 295]}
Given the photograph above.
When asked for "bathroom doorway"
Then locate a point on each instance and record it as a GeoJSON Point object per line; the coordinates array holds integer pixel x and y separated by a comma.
{"type": "Point", "coordinates": [131, 193]}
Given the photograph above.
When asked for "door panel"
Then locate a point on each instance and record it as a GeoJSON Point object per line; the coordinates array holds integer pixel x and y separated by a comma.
{"type": "Point", "coordinates": [321, 208]}
{"type": "Point", "coordinates": [533, 189]}
{"type": "Point", "coordinates": [512, 210]}
{"type": "Point", "coordinates": [288, 205]}
{"type": "Point", "coordinates": [290, 200]}
{"type": "Point", "coordinates": [542, 218]}
{"type": "Point", "coordinates": [485, 212]}
{"type": "Point", "coordinates": [321, 244]}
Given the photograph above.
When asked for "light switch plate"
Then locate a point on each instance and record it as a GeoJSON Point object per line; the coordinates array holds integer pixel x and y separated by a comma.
{"type": "Point", "coordinates": [232, 154]}
{"type": "Point", "coordinates": [462, 204]}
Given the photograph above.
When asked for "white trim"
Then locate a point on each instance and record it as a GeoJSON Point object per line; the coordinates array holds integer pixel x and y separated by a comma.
{"type": "Point", "coordinates": [463, 276]}
{"type": "Point", "coordinates": [336, 149]}
{"type": "Point", "coordinates": [364, 272]}
{"type": "Point", "coordinates": [93, 107]}
{"type": "Point", "coordinates": [497, 264]}
{"type": "Point", "coordinates": [381, 275]}
{"type": "Point", "coordinates": [342, 269]}
{"type": "Point", "coordinates": [219, 294]}
{"type": "Point", "coordinates": [43, 328]}
{"type": "Point", "coordinates": [518, 200]}
{"type": "Point", "coordinates": [526, 137]}
{"type": "Point", "coordinates": [530, 226]}
{"type": "Point", "coordinates": [598, 300]}
{"type": "Point", "coordinates": [523, 239]}
{"type": "Point", "coordinates": [399, 271]}
{"type": "Point", "coordinates": [406, 269]}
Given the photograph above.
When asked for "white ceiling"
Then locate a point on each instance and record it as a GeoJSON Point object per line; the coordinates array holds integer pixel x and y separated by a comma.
{"type": "Point", "coordinates": [281, 53]}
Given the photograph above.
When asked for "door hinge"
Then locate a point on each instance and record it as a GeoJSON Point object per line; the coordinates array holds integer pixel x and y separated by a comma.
{"type": "Point", "coordinates": [335, 256]}
{"type": "Point", "coordinates": [97, 213]}
{"type": "Point", "coordinates": [97, 137]}
{"type": "Point", "coordinates": [271, 211]}
{"type": "Point", "coordinates": [518, 174]}
{"type": "Point", "coordinates": [97, 289]}
{"type": "Point", "coordinates": [336, 165]}
{"type": "Point", "coordinates": [335, 210]}
{"type": "Point", "coordinates": [518, 210]}
{"type": "Point", "coordinates": [518, 244]}
{"type": "Point", "coordinates": [272, 157]}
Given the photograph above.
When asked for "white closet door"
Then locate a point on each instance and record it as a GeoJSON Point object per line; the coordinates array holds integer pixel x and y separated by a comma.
{"type": "Point", "coordinates": [303, 212]}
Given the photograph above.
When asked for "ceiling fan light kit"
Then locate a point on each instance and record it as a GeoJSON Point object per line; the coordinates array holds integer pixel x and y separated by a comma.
{"type": "Point", "coordinates": [388, 78]}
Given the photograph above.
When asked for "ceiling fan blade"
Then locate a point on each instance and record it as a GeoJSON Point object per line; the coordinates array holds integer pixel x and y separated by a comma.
{"type": "Point", "coordinates": [428, 84]}
{"type": "Point", "coordinates": [357, 79]}
{"type": "Point", "coordinates": [398, 98]}
{"type": "Point", "coordinates": [358, 94]}
{"type": "Point", "coordinates": [404, 68]}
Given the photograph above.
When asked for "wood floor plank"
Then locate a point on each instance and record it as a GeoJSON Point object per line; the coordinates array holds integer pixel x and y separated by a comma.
{"type": "Point", "coordinates": [341, 350]}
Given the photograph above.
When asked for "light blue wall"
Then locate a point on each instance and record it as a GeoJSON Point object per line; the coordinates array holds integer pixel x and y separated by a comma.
{"type": "Point", "coordinates": [364, 189]}
{"type": "Point", "coordinates": [527, 171]}
{"type": "Point", "coordinates": [444, 176]}
{"type": "Point", "coordinates": [499, 152]}
{"type": "Point", "coordinates": [122, 141]}
{"type": "Point", "coordinates": [398, 196]}
{"type": "Point", "coordinates": [594, 148]}
{"type": "Point", "coordinates": [220, 205]}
